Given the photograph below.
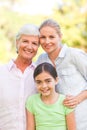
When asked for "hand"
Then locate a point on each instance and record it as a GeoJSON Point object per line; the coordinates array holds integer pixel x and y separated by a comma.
{"type": "Point", "coordinates": [71, 101]}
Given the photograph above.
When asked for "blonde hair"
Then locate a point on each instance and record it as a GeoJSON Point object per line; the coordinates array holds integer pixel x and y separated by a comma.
{"type": "Point", "coordinates": [51, 23]}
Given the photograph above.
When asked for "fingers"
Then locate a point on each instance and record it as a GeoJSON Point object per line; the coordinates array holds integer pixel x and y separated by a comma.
{"type": "Point", "coordinates": [70, 101]}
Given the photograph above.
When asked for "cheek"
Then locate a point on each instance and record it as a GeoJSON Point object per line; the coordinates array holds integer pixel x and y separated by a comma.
{"type": "Point", "coordinates": [38, 88]}
{"type": "Point", "coordinates": [36, 49]}
{"type": "Point", "coordinates": [19, 48]}
{"type": "Point", "coordinates": [18, 45]}
{"type": "Point", "coordinates": [42, 41]}
{"type": "Point", "coordinates": [42, 44]}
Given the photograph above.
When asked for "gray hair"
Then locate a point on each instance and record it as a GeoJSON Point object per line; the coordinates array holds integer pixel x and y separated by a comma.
{"type": "Point", "coordinates": [51, 23]}
{"type": "Point", "coordinates": [28, 29]}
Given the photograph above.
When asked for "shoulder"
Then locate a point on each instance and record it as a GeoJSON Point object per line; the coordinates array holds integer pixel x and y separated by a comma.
{"type": "Point", "coordinates": [76, 54]}
{"type": "Point", "coordinates": [42, 58]}
{"type": "Point", "coordinates": [62, 97]}
{"type": "Point", "coordinates": [32, 98]}
{"type": "Point", "coordinates": [77, 51]}
{"type": "Point", "coordinates": [64, 108]}
{"type": "Point", "coordinates": [3, 68]}
{"type": "Point", "coordinates": [43, 55]}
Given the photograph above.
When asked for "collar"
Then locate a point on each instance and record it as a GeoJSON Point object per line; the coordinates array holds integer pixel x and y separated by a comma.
{"type": "Point", "coordinates": [11, 65]}
{"type": "Point", "coordinates": [63, 51]}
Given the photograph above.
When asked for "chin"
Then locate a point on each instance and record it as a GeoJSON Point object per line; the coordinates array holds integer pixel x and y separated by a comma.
{"type": "Point", "coordinates": [45, 94]}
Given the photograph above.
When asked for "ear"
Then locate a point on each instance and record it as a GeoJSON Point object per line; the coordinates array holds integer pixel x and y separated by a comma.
{"type": "Point", "coordinates": [56, 80]}
{"type": "Point", "coordinates": [17, 46]}
{"type": "Point", "coordinates": [16, 42]}
{"type": "Point", "coordinates": [60, 35]}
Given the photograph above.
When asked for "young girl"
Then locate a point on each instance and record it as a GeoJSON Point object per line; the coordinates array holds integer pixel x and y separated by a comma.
{"type": "Point", "coordinates": [45, 111]}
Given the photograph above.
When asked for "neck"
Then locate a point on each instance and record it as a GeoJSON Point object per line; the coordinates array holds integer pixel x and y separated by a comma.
{"type": "Point", "coordinates": [50, 99]}
{"type": "Point", "coordinates": [54, 55]}
{"type": "Point", "coordinates": [22, 64]}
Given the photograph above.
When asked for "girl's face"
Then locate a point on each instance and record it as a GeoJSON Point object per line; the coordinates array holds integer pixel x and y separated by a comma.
{"type": "Point", "coordinates": [45, 84]}
{"type": "Point", "coordinates": [49, 39]}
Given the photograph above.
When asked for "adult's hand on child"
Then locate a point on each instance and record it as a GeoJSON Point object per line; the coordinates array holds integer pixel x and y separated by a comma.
{"type": "Point", "coordinates": [71, 101]}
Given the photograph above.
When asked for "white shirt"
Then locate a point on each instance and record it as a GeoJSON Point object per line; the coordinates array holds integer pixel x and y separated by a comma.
{"type": "Point", "coordinates": [15, 87]}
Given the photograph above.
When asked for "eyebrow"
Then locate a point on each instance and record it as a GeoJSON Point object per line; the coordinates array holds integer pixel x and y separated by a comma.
{"type": "Point", "coordinates": [45, 79]}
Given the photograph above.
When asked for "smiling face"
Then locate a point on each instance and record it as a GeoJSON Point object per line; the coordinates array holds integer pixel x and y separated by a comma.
{"type": "Point", "coordinates": [45, 84]}
{"type": "Point", "coordinates": [49, 39]}
{"type": "Point", "coordinates": [27, 46]}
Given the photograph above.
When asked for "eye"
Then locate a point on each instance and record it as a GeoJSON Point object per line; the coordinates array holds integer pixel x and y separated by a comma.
{"type": "Point", "coordinates": [25, 41]}
{"type": "Point", "coordinates": [51, 37]}
{"type": "Point", "coordinates": [42, 37]}
{"type": "Point", "coordinates": [38, 82]}
{"type": "Point", "coordinates": [48, 81]}
{"type": "Point", "coordinates": [35, 43]}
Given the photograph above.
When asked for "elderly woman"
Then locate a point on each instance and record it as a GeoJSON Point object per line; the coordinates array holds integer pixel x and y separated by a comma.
{"type": "Point", "coordinates": [16, 80]}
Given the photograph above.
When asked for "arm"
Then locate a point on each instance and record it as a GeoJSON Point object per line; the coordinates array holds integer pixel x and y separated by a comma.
{"type": "Point", "coordinates": [73, 101]}
{"type": "Point", "coordinates": [70, 121]}
{"type": "Point", "coordinates": [30, 121]}
{"type": "Point", "coordinates": [79, 59]}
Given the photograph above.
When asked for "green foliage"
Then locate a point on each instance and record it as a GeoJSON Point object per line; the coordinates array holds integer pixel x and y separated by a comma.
{"type": "Point", "coordinates": [72, 17]}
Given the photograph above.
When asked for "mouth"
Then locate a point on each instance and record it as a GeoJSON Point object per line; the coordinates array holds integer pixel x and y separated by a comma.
{"type": "Point", "coordinates": [28, 51]}
{"type": "Point", "coordinates": [45, 91]}
{"type": "Point", "coordinates": [48, 46]}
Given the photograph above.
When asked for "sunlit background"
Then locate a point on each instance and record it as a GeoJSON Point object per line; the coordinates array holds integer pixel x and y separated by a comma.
{"type": "Point", "coordinates": [70, 14]}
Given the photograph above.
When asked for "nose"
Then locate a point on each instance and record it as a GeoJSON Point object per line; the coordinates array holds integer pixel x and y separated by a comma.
{"type": "Point", "coordinates": [29, 45]}
{"type": "Point", "coordinates": [47, 40]}
{"type": "Point", "coordinates": [44, 85]}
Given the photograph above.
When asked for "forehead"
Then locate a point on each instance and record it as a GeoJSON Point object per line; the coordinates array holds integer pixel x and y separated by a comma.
{"type": "Point", "coordinates": [43, 76]}
{"type": "Point", "coordinates": [47, 30]}
{"type": "Point", "coordinates": [29, 37]}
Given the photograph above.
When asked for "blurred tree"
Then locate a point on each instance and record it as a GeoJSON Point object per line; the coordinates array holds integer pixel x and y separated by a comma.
{"type": "Point", "coordinates": [72, 15]}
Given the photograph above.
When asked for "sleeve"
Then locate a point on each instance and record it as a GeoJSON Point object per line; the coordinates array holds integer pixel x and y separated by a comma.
{"type": "Point", "coordinates": [68, 110]}
{"type": "Point", "coordinates": [29, 104]}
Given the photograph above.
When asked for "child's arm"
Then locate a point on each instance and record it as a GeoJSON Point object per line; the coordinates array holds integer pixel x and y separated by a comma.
{"type": "Point", "coordinates": [30, 121]}
{"type": "Point", "coordinates": [70, 121]}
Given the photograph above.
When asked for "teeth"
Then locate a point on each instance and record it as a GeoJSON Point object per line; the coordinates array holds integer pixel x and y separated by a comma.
{"type": "Point", "coordinates": [48, 46]}
{"type": "Point", "coordinates": [28, 51]}
{"type": "Point", "coordinates": [45, 91]}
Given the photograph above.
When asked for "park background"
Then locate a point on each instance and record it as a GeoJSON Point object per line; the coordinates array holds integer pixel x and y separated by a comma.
{"type": "Point", "coordinates": [70, 14]}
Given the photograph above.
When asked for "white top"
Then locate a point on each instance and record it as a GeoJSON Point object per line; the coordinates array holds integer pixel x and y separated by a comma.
{"type": "Point", "coordinates": [71, 66]}
{"type": "Point", "coordinates": [15, 87]}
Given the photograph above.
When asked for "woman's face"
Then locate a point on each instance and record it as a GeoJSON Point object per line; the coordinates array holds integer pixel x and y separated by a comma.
{"type": "Point", "coordinates": [27, 46]}
{"type": "Point", "coordinates": [49, 39]}
{"type": "Point", "coordinates": [45, 84]}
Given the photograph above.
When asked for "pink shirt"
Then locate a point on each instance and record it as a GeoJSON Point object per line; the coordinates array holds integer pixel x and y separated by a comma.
{"type": "Point", "coordinates": [15, 87]}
